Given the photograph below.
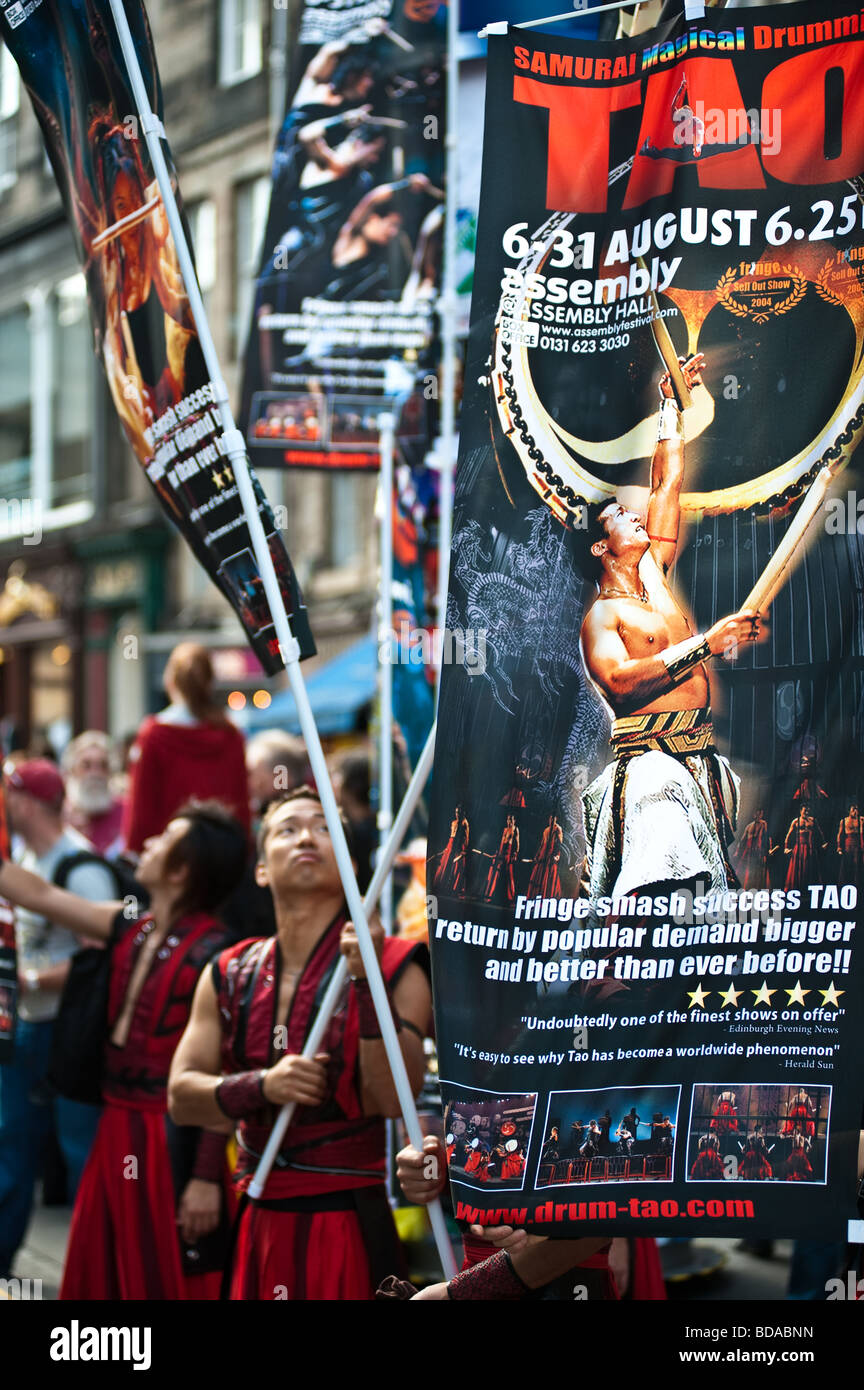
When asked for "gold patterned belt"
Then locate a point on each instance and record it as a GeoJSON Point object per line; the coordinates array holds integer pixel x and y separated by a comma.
{"type": "Point", "coordinates": [678, 732]}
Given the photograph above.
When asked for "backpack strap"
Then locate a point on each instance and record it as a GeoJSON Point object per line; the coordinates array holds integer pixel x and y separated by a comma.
{"type": "Point", "coordinates": [70, 862]}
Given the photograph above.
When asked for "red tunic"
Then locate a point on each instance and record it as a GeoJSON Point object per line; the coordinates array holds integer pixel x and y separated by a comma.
{"type": "Point", "coordinates": [545, 880]}
{"type": "Point", "coordinates": [754, 1164]}
{"type": "Point", "coordinates": [799, 1120]}
{"type": "Point", "coordinates": [324, 1209]}
{"type": "Point", "coordinates": [801, 869]}
{"type": "Point", "coordinates": [708, 1165]}
{"type": "Point", "coordinates": [725, 1119]}
{"type": "Point", "coordinates": [170, 763]}
{"type": "Point", "coordinates": [753, 855]}
{"type": "Point", "coordinates": [513, 1166]}
{"type": "Point", "coordinates": [477, 1164]}
{"type": "Point", "coordinates": [503, 862]}
{"type": "Point", "coordinates": [450, 874]}
{"type": "Point", "coordinates": [123, 1240]}
{"type": "Point", "coordinates": [798, 1167]}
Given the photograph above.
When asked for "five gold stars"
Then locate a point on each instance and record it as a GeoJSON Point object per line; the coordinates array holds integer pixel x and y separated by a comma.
{"type": "Point", "coordinates": [763, 995]}
{"type": "Point", "coordinates": [730, 997]}
{"type": "Point", "coordinates": [796, 995]}
{"type": "Point", "coordinates": [698, 996]}
{"type": "Point", "coordinates": [831, 996]}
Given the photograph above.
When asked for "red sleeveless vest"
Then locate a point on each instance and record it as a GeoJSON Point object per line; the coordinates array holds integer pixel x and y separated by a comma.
{"type": "Point", "coordinates": [136, 1075]}
{"type": "Point", "coordinates": [329, 1147]}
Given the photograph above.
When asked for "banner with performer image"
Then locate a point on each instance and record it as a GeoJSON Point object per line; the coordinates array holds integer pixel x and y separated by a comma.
{"type": "Point", "coordinates": [144, 334]}
{"type": "Point", "coordinates": [8, 953]}
{"type": "Point", "coordinates": [646, 851]}
{"type": "Point", "coordinates": [351, 260]}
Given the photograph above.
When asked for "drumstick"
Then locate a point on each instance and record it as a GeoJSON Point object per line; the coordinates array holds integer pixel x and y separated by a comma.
{"type": "Point", "coordinates": [388, 33]}
{"type": "Point", "coordinates": [125, 223]}
{"type": "Point", "coordinates": [666, 348]}
{"type": "Point", "coordinates": [774, 572]}
{"type": "Point", "coordinates": [389, 121]}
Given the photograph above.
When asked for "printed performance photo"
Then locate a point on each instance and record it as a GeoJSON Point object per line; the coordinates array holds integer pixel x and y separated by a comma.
{"type": "Point", "coordinates": [487, 1136]}
{"type": "Point", "coordinates": [620, 1134]}
{"type": "Point", "coordinates": [759, 1133]}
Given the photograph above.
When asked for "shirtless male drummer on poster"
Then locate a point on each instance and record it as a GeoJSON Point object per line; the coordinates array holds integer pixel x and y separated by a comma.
{"type": "Point", "coordinates": [663, 811]}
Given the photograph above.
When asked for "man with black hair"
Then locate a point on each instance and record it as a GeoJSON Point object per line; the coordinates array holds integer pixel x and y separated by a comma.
{"type": "Point", "coordinates": [664, 810]}
{"type": "Point", "coordinates": [322, 1228]}
{"type": "Point", "coordinates": [143, 1180]}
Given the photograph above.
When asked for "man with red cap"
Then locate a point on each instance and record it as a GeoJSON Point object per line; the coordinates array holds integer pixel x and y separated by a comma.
{"type": "Point", "coordinates": [35, 793]}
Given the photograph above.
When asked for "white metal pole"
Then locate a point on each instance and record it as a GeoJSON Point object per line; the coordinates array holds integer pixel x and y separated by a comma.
{"type": "Point", "coordinates": [447, 439]}
{"type": "Point", "coordinates": [340, 974]}
{"type": "Point", "coordinates": [235, 447]}
{"type": "Point", "coordinates": [278, 70]}
{"type": "Point", "coordinates": [386, 642]}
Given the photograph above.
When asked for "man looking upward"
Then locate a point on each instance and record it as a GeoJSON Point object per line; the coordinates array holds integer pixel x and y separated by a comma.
{"type": "Point", "coordinates": [324, 1209]}
{"type": "Point", "coordinates": [663, 811]}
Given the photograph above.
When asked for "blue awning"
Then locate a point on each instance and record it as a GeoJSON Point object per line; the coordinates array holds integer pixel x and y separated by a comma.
{"type": "Point", "coordinates": [338, 692]}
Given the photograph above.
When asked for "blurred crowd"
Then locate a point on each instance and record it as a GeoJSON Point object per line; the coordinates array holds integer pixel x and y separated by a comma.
{"type": "Point", "coordinates": [81, 818]}
{"type": "Point", "coordinates": [175, 895]}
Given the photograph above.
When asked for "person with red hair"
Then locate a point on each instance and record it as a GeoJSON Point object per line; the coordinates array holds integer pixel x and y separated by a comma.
{"type": "Point", "coordinates": [188, 750]}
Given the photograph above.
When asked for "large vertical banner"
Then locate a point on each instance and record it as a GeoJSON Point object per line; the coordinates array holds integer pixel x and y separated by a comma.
{"type": "Point", "coordinates": [8, 954]}
{"type": "Point", "coordinates": [351, 260]}
{"type": "Point", "coordinates": [646, 848]}
{"type": "Point", "coordinates": [73, 69]}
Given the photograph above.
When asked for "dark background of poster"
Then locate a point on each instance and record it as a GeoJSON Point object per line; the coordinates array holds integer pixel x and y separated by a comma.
{"type": "Point", "coordinates": [515, 574]}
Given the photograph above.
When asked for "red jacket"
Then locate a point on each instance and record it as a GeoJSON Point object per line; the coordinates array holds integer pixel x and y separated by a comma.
{"type": "Point", "coordinates": [170, 763]}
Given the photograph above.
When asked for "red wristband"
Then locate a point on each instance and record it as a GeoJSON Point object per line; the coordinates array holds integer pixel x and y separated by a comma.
{"type": "Point", "coordinates": [494, 1278]}
{"type": "Point", "coordinates": [242, 1094]}
{"type": "Point", "coordinates": [210, 1156]}
{"type": "Point", "coordinates": [368, 1019]}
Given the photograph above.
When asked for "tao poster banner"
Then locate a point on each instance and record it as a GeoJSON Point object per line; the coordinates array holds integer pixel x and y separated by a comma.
{"type": "Point", "coordinates": [646, 850]}
{"type": "Point", "coordinates": [72, 66]}
{"type": "Point", "coordinates": [343, 314]}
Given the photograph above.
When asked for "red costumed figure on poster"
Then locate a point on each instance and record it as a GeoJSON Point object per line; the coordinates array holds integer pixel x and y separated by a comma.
{"type": "Point", "coordinates": [514, 1163]}
{"type": "Point", "coordinates": [708, 1165]}
{"type": "Point", "coordinates": [452, 867]}
{"type": "Point", "coordinates": [803, 842]}
{"type": "Point", "coordinates": [477, 1162]}
{"type": "Point", "coordinates": [754, 1165]}
{"type": "Point", "coordinates": [850, 845]}
{"type": "Point", "coordinates": [752, 854]}
{"type": "Point", "coordinates": [545, 881]}
{"type": "Point", "coordinates": [800, 1117]}
{"type": "Point", "coordinates": [724, 1118]}
{"type": "Point", "coordinates": [798, 1167]}
{"type": "Point", "coordinates": [504, 862]}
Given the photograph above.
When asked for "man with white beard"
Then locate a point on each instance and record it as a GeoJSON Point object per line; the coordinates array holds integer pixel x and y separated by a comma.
{"type": "Point", "coordinates": [91, 805]}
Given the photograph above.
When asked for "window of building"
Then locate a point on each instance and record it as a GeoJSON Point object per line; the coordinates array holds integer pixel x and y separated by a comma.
{"type": "Point", "coordinates": [16, 437]}
{"type": "Point", "coordinates": [202, 224]}
{"type": "Point", "coordinates": [10, 100]}
{"type": "Point", "coordinates": [240, 40]}
{"type": "Point", "coordinates": [251, 207]}
{"type": "Point", "coordinates": [72, 394]}
{"type": "Point", "coordinates": [46, 408]}
{"type": "Point", "coordinates": [352, 505]}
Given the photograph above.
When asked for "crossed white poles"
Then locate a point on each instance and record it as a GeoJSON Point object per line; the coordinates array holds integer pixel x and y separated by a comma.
{"type": "Point", "coordinates": [152, 129]}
